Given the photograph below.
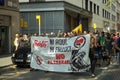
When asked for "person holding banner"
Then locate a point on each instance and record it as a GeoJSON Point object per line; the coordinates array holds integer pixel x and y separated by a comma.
{"type": "Point", "coordinates": [93, 55]}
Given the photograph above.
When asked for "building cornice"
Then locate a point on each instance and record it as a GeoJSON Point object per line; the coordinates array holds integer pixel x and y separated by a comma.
{"type": "Point", "coordinates": [63, 5]}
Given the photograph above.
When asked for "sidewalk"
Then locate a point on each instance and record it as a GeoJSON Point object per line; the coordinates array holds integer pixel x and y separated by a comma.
{"type": "Point", "coordinates": [5, 60]}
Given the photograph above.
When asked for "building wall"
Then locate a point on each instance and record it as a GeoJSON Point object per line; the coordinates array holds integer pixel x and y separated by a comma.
{"type": "Point", "coordinates": [51, 21]}
{"type": "Point", "coordinates": [118, 17]}
{"type": "Point", "coordinates": [56, 16]}
{"type": "Point", "coordinates": [52, 17]}
{"type": "Point", "coordinates": [9, 13]}
{"type": "Point", "coordinates": [103, 22]}
{"type": "Point", "coordinates": [99, 19]}
{"type": "Point", "coordinates": [74, 2]}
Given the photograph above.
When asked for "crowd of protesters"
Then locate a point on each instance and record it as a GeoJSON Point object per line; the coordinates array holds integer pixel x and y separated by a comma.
{"type": "Point", "coordinates": [104, 46]}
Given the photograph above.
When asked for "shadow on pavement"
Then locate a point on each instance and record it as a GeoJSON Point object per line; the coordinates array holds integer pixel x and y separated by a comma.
{"type": "Point", "coordinates": [5, 55]}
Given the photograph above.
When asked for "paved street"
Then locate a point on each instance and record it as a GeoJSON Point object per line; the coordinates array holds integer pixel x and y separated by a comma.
{"type": "Point", "coordinates": [112, 73]}
{"type": "Point", "coordinates": [11, 72]}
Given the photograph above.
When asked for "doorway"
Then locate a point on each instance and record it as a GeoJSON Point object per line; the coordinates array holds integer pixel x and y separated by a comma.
{"type": "Point", "coordinates": [4, 40]}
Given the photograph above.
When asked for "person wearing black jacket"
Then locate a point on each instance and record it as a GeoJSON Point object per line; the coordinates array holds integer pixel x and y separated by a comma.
{"type": "Point", "coordinates": [92, 55]}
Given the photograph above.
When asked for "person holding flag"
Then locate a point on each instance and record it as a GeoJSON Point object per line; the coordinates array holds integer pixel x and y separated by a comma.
{"type": "Point", "coordinates": [78, 30]}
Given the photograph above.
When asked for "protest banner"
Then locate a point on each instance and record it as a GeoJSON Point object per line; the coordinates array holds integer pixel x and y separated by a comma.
{"type": "Point", "coordinates": [60, 54]}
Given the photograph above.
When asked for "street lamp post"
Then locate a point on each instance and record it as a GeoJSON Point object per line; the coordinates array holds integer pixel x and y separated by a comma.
{"type": "Point", "coordinates": [38, 20]}
{"type": "Point", "coordinates": [94, 26]}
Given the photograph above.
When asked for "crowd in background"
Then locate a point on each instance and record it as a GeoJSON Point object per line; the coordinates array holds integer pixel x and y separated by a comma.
{"type": "Point", "coordinates": [104, 46]}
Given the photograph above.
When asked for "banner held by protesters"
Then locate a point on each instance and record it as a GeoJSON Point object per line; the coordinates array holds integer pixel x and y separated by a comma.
{"type": "Point", "coordinates": [61, 54]}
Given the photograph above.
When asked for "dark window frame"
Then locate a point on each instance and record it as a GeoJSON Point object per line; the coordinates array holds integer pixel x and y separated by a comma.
{"type": "Point", "coordinates": [97, 9]}
{"type": "Point", "coordinates": [86, 4]}
{"type": "Point", "coordinates": [91, 4]}
{"type": "Point", "coordinates": [94, 8]}
{"type": "Point", "coordinates": [103, 12]}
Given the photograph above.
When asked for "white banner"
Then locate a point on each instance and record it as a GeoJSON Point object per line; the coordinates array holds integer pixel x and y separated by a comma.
{"type": "Point", "coordinates": [61, 54]}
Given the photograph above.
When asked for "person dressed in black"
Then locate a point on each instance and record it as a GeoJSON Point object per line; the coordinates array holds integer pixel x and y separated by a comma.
{"type": "Point", "coordinates": [93, 56]}
{"type": "Point", "coordinates": [109, 47]}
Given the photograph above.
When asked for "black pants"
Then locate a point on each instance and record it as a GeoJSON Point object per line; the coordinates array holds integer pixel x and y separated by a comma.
{"type": "Point", "coordinates": [93, 59]}
{"type": "Point", "coordinates": [93, 64]}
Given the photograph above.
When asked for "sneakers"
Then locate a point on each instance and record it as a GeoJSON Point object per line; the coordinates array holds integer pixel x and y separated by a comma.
{"type": "Point", "coordinates": [93, 75]}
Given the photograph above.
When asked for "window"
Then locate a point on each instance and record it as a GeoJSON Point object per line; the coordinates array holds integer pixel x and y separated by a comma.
{"type": "Point", "coordinates": [113, 18]}
{"type": "Point", "coordinates": [109, 16]}
{"type": "Point", "coordinates": [90, 6]}
{"type": "Point", "coordinates": [103, 11]}
{"type": "Point", "coordinates": [95, 8]}
{"type": "Point", "coordinates": [105, 1]}
{"type": "Point", "coordinates": [86, 4]}
{"type": "Point", "coordinates": [113, 7]}
{"type": "Point", "coordinates": [98, 10]}
{"type": "Point", "coordinates": [102, 1]}
{"type": "Point", "coordinates": [105, 14]}
{"type": "Point", "coordinates": [118, 16]}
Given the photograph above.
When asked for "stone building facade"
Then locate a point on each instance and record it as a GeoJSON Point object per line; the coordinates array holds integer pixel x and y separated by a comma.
{"type": "Point", "coordinates": [9, 24]}
{"type": "Point", "coordinates": [70, 14]}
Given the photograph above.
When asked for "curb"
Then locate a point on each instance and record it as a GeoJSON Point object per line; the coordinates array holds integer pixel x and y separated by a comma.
{"type": "Point", "coordinates": [6, 66]}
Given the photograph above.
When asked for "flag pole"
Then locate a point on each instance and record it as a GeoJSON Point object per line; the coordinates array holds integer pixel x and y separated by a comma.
{"type": "Point", "coordinates": [39, 19]}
